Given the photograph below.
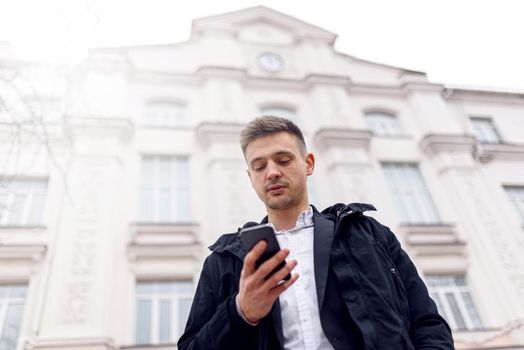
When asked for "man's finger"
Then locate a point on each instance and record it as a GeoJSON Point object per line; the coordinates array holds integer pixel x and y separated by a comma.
{"type": "Point", "coordinates": [280, 288]}
{"type": "Point", "coordinates": [252, 256]}
{"type": "Point", "coordinates": [270, 264]}
{"type": "Point", "coordinates": [280, 274]}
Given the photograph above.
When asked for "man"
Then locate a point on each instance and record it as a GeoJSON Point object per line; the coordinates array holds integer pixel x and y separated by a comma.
{"type": "Point", "coordinates": [355, 287]}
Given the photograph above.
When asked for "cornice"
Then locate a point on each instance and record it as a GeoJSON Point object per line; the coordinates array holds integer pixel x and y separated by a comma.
{"type": "Point", "coordinates": [326, 79]}
{"type": "Point", "coordinates": [483, 95]}
{"type": "Point", "coordinates": [33, 253]}
{"type": "Point", "coordinates": [326, 138]}
{"type": "Point", "coordinates": [433, 240]}
{"type": "Point", "coordinates": [504, 151]}
{"type": "Point", "coordinates": [77, 127]}
{"type": "Point", "coordinates": [163, 251]}
{"type": "Point", "coordinates": [72, 343]}
{"type": "Point", "coordinates": [432, 143]}
{"type": "Point", "coordinates": [211, 132]}
{"type": "Point", "coordinates": [412, 87]}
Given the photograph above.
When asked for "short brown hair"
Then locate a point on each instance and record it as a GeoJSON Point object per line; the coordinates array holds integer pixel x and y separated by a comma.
{"type": "Point", "coordinates": [267, 125]}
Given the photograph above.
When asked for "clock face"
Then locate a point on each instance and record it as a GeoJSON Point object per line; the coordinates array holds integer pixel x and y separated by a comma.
{"type": "Point", "coordinates": [270, 62]}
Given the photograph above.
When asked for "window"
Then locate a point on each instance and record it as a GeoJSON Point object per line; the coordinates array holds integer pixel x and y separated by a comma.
{"type": "Point", "coordinates": [12, 303]}
{"type": "Point", "coordinates": [22, 202]}
{"type": "Point", "coordinates": [162, 309]}
{"type": "Point", "coordinates": [284, 112]}
{"type": "Point", "coordinates": [383, 124]}
{"type": "Point", "coordinates": [410, 194]}
{"type": "Point", "coordinates": [516, 196]}
{"type": "Point", "coordinates": [454, 302]}
{"type": "Point", "coordinates": [485, 130]}
{"type": "Point", "coordinates": [165, 114]}
{"type": "Point", "coordinates": [164, 193]}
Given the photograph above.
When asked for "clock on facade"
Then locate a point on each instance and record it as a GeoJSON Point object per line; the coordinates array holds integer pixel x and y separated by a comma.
{"type": "Point", "coordinates": [270, 61]}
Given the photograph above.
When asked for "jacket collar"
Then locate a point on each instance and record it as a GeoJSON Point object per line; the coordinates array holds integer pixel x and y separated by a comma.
{"type": "Point", "coordinates": [323, 239]}
{"type": "Point", "coordinates": [231, 241]}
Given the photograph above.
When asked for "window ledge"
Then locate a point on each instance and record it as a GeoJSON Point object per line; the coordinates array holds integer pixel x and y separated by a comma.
{"type": "Point", "coordinates": [28, 252]}
{"type": "Point", "coordinates": [432, 236]}
{"type": "Point", "coordinates": [342, 137]}
{"type": "Point", "coordinates": [167, 346]}
{"type": "Point", "coordinates": [15, 235]}
{"type": "Point", "coordinates": [487, 152]}
{"type": "Point", "coordinates": [392, 137]}
{"type": "Point", "coordinates": [181, 233]}
{"type": "Point", "coordinates": [164, 241]}
{"type": "Point", "coordinates": [167, 127]}
{"type": "Point", "coordinates": [22, 228]}
{"type": "Point", "coordinates": [489, 338]}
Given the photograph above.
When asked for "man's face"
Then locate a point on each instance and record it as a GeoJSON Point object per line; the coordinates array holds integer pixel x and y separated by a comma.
{"type": "Point", "coordinates": [278, 168]}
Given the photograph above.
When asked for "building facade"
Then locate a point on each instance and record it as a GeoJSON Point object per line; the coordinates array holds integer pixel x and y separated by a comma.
{"type": "Point", "coordinates": [116, 174]}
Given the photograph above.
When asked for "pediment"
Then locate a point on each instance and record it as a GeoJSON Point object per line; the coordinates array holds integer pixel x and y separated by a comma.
{"type": "Point", "coordinates": [261, 24]}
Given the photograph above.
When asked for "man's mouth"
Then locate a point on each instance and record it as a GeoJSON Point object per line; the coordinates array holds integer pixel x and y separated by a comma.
{"type": "Point", "coordinates": [276, 188]}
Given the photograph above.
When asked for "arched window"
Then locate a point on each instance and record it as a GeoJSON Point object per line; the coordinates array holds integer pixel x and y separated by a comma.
{"type": "Point", "coordinates": [383, 124]}
{"type": "Point", "coordinates": [165, 114]}
{"type": "Point", "coordinates": [278, 111]}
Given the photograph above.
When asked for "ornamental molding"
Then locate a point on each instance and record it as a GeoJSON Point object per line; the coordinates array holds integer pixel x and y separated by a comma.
{"type": "Point", "coordinates": [70, 344]}
{"type": "Point", "coordinates": [434, 240]}
{"type": "Point", "coordinates": [479, 95]}
{"type": "Point", "coordinates": [325, 79]}
{"type": "Point", "coordinates": [327, 138]}
{"type": "Point", "coordinates": [222, 72]}
{"type": "Point", "coordinates": [494, 338]}
{"type": "Point", "coordinates": [213, 132]}
{"type": "Point", "coordinates": [164, 241]}
{"type": "Point", "coordinates": [101, 128]}
{"type": "Point", "coordinates": [33, 253]}
{"type": "Point", "coordinates": [434, 143]}
{"type": "Point", "coordinates": [486, 153]}
{"type": "Point", "coordinates": [414, 87]}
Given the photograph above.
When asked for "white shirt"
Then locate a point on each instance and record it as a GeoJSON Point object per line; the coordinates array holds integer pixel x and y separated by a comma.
{"type": "Point", "coordinates": [299, 304]}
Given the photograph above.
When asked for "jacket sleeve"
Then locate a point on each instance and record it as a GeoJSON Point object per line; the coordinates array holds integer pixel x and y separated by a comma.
{"type": "Point", "coordinates": [428, 330]}
{"type": "Point", "coordinates": [213, 323]}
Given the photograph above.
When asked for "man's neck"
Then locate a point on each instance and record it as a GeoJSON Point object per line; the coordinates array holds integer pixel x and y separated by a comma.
{"type": "Point", "coordinates": [285, 219]}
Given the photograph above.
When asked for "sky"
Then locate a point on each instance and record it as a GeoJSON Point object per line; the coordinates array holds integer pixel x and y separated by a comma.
{"type": "Point", "coordinates": [456, 42]}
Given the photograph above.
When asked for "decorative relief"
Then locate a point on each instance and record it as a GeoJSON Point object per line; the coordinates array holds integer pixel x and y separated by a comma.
{"type": "Point", "coordinates": [353, 184]}
{"type": "Point", "coordinates": [497, 238]}
{"type": "Point", "coordinates": [83, 253]}
{"type": "Point", "coordinates": [334, 103]}
{"type": "Point", "coordinates": [235, 198]}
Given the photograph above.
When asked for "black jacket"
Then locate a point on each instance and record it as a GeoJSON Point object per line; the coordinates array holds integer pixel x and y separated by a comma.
{"type": "Point", "coordinates": [386, 303]}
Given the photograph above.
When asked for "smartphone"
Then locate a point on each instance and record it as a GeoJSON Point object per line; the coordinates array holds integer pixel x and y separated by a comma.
{"type": "Point", "coordinates": [252, 235]}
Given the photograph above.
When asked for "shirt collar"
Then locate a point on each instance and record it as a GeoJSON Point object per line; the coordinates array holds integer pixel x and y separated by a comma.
{"type": "Point", "coordinates": [305, 219]}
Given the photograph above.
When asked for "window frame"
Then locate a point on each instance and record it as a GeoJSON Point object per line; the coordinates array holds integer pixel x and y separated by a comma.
{"type": "Point", "coordinates": [177, 326]}
{"type": "Point", "coordinates": [289, 110]}
{"type": "Point", "coordinates": [516, 199]}
{"type": "Point", "coordinates": [30, 188]}
{"type": "Point", "coordinates": [178, 213]}
{"type": "Point", "coordinates": [421, 209]}
{"type": "Point", "coordinates": [159, 122]}
{"type": "Point", "coordinates": [481, 125]}
{"type": "Point", "coordinates": [393, 120]}
{"type": "Point", "coordinates": [5, 302]}
{"type": "Point", "coordinates": [439, 295]}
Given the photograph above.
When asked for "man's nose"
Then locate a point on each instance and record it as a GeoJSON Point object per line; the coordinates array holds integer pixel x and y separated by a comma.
{"type": "Point", "coordinates": [273, 171]}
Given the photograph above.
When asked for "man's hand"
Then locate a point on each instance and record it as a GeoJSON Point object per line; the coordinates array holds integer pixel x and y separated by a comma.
{"type": "Point", "coordinates": [256, 294]}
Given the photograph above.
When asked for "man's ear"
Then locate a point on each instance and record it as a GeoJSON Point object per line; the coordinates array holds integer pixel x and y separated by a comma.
{"type": "Point", "coordinates": [310, 163]}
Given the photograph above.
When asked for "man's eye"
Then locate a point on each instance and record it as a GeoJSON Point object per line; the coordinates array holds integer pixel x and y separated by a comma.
{"type": "Point", "coordinates": [283, 161]}
{"type": "Point", "coordinates": [258, 167]}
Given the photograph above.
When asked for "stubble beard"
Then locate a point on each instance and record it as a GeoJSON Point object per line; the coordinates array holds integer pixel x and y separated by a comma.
{"type": "Point", "coordinates": [281, 203]}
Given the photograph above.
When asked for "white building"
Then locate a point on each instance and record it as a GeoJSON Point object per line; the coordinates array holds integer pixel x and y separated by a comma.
{"type": "Point", "coordinates": [116, 175]}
